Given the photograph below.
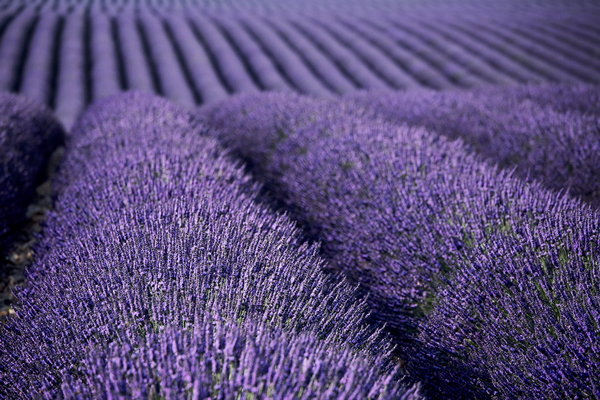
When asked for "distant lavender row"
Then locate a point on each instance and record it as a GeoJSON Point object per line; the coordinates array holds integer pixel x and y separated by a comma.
{"type": "Point", "coordinates": [28, 136]}
{"type": "Point", "coordinates": [549, 133]}
{"type": "Point", "coordinates": [268, 6]}
{"type": "Point", "coordinates": [68, 59]}
{"type": "Point", "coordinates": [580, 98]}
{"type": "Point", "coordinates": [156, 256]}
{"type": "Point", "coordinates": [426, 229]}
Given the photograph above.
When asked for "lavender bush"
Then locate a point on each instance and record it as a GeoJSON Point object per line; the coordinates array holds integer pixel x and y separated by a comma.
{"type": "Point", "coordinates": [489, 282]}
{"type": "Point", "coordinates": [28, 136]}
{"type": "Point", "coordinates": [520, 317]}
{"type": "Point", "coordinates": [554, 141]}
{"type": "Point", "coordinates": [223, 359]}
{"type": "Point", "coordinates": [582, 98]}
{"type": "Point", "coordinates": [157, 255]}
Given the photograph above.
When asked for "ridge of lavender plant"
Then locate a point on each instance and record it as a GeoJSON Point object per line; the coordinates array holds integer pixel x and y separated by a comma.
{"type": "Point", "coordinates": [425, 227]}
{"type": "Point", "coordinates": [157, 255]}
{"type": "Point", "coordinates": [20, 254]}
{"type": "Point", "coordinates": [583, 98]}
{"type": "Point", "coordinates": [29, 134]}
{"type": "Point", "coordinates": [548, 133]}
{"type": "Point", "coordinates": [224, 359]}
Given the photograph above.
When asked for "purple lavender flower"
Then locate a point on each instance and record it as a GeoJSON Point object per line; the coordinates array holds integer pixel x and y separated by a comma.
{"type": "Point", "coordinates": [220, 358]}
{"type": "Point", "coordinates": [483, 277]}
{"type": "Point", "coordinates": [157, 255]}
{"type": "Point", "coordinates": [547, 133]}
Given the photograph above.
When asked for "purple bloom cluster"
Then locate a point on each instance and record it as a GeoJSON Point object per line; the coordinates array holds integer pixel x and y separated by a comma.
{"type": "Point", "coordinates": [159, 275]}
{"type": "Point", "coordinates": [520, 317]}
{"type": "Point", "coordinates": [223, 359]}
{"type": "Point", "coordinates": [28, 136]}
{"type": "Point", "coordinates": [489, 282]}
{"type": "Point", "coordinates": [583, 98]}
{"type": "Point", "coordinates": [547, 133]}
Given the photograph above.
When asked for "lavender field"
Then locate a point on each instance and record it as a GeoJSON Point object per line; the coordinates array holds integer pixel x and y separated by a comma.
{"type": "Point", "coordinates": [277, 199]}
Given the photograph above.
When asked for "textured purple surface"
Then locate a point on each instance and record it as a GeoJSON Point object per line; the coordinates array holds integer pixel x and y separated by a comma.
{"type": "Point", "coordinates": [157, 251]}
{"type": "Point", "coordinates": [426, 228]}
{"type": "Point", "coordinates": [219, 358]}
{"type": "Point", "coordinates": [468, 219]}
{"type": "Point", "coordinates": [68, 55]}
{"type": "Point", "coordinates": [548, 133]}
{"type": "Point", "coordinates": [28, 136]}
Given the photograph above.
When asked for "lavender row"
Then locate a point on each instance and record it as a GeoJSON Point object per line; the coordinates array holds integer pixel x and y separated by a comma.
{"type": "Point", "coordinates": [137, 68]}
{"type": "Point", "coordinates": [559, 147]}
{"type": "Point", "coordinates": [264, 69]}
{"type": "Point", "coordinates": [538, 47]}
{"type": "Point", "coordinates": [68, 60]}
{"type": "Point", "coordinates": [28, 136]}
{"type": "Point", "coordinates": [157, 255]}
{"type": "Point", "coordinates": [36, 80]}
{"type": "Point", "coordinates": [322, 66]}
{"type": "Point", "coordinates": [345, 59]}
{"type": "Point", "coordinates": [429, 50]}
{"type": "Point", "coordinates": [228, 63]}
{"type": "Point", "coordinates": [272, 6]}
{"type": "Point", "coordinates": [500, 44]}
{"type": "Point", "coordinates": [479, 57]}
{"type": "Point", "coordinates": [375, 59]}
{"type": "Point", "coordinates": [420, 69]}
{"type": "Point", "coordinates": [105, 68]}
{"type": "Point", "coordinates": [11, 47]}
{"type": "Point", "coordinates": [426, 228]}
{"type": "Point", "coordinates": [562, 40]}
{"type": "Point", "coordinates": [289, 61]}
{"type": "Point", "coordinates": [168, 73]}
{"type": "Point", "coordinates": [202, 74]}
{"type": "Point", "coordinates": [72, 91]}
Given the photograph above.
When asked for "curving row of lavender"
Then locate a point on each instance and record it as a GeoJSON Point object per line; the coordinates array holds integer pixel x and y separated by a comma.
{"type": "Point", "coordinates": [549, 133]}
{"type": "Point", "coordinates": [160, 276]}
{"type": "Point", "coordinates": [69, 58]}
{"type": "Point", "coordinates": [28, 136]}
{"type": "Point", "coordinates": [274, 6]}
{"type": "Point", "coordinates": [489, 283]}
